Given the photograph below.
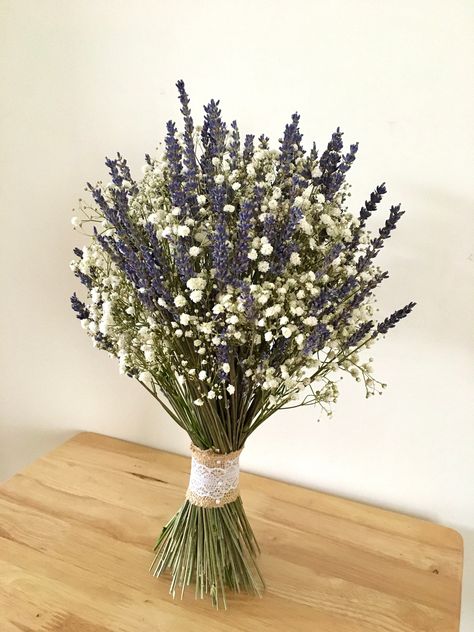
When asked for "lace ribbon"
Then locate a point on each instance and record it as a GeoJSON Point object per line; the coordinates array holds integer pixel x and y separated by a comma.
{"type": "Point", "coordinates": [214, 479]}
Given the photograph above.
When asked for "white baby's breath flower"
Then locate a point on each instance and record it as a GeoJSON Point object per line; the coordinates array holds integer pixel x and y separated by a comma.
{"type": "Point", "coordinates": [184, 319]}
{"type": "Point", "coordinates": [202, 375]}
{"type": "Point", "coordinates": [218, 309]}
{"type": "Point", "coordinates": [183, 231]}
{"type": "Point", "coordinates": [251, 170]}
{"type": "Point", "coordinates": [231, 389]}
{"type": "Point", "coordinates": [295, 258]}
{"type": "Point", "coordinates": [180, 301]}
{"type": "Point", "coordinates": [219, 179]}
{"type": "Point", "coordinates": [229, 208]}
{"type": "Point", "coordinates": [175, 211]}
{"type": "Point", "coordinates": [268, 336]}
{"type": "Point", "coordinates": [196, 283]}
{"type": "Point", "coordinates": [75, 221]}
{"type": "Point", "coordinates": [211, 395]}
{"type": "Point", "coordinates": [266, 248]}
{"type": "Point", "coordinates": [196, 296]}
{"type": "Point", "coordinates": [236, 186]}
{"type": "Point", "coordinates": [263, 266]}
{"type": "Point", "coordinates": [286, 332]}
{"type": "Point", "coordinates": [311, 321]}
{"type": "Point", "coordinates": [201, 199]}
{"type": "Point", "coordinates": [306, 227]}
{"type": "Point", "coordinates": [194, 251]}
{"type": "Point", "coordinates": [226, 367]}
{"type": "Point", "coordinates": [253, 254]}
{"type": "Point", "coordinates": [146, 377]}
{"type": "Point", "coordinates": [198, 402]}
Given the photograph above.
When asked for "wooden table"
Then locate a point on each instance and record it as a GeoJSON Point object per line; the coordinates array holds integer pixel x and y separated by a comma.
{"type": "Point", "coordinates": [77, 528]}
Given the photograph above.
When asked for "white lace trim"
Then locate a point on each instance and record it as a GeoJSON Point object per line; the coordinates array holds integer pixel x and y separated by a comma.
{"type": "Point", "coordinates": [213, 483]}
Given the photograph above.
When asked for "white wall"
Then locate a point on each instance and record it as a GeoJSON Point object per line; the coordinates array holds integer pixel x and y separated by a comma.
{"type": "Point", "coordinates": [80, 80]}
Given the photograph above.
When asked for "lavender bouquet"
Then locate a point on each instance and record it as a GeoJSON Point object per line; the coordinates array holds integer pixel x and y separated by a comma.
{"type": "Point", "coordinates": [231, 281]}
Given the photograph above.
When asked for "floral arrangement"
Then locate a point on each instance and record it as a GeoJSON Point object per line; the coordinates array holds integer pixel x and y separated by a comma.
{"type": "Point", "coordinates": [231, 281]}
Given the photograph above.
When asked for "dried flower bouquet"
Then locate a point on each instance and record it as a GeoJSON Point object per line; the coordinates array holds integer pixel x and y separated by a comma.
{"type": "Point", "coordinates": [230, 280]}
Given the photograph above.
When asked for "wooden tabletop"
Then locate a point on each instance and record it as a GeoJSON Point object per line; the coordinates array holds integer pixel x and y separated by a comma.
{"type": "Point", "coordinates": [77, 528]}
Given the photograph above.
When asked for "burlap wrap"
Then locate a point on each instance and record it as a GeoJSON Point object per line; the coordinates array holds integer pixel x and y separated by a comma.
{"type": "Point", "coordinates": [214, 479]}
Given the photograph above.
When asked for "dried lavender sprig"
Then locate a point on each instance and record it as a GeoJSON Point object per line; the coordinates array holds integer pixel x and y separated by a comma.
{"type": "Point", "coordinates": [248, 148]}
{"type": "Point", "coordinates": [359, 334]}
{"type": "Point", "coordinates": [329, 163]}
{"type": "Point", "coordinates": [384, 233]}
{"type": "Point", "coordinates": [290, 146]}
{"type": "Point", "coordinates": [370, 205]}
{"type": "Point", "coordinates": [336, 179]}
{"type": "Point", "coordinates": [234, 146]}
{"type": "Point", "coordinates": [174, 156]}
{"type": "Point", "coordinates": [79, 307]}
{"type": "Point", "coordinates": [316, 340]}
{"type": "Point", "coordinates": [242, 244]}
{"type": "Point", "coordinates": [285, 245]}
{"type": "Point", "coordinates": [189, 157]}
{"type": "Point", "coordinates": [393, 319]}
{"type": "Point", "coordinates": [357, 300]}
{"type": "Point", "coordinates": [214, 131]}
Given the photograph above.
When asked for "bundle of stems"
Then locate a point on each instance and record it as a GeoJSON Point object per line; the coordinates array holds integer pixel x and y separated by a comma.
{"type": "Point", "coordinates": [213, 547]}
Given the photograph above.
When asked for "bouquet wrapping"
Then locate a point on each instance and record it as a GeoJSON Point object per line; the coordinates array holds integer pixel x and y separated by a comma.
{"type": "Point", "coordinates": [231, 281]}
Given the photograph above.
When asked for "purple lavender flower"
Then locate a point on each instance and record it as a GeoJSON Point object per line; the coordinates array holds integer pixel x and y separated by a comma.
{"type": "Point", "coordinates": [222, 356]}
{"type": "Point", "coordinates": [359, 334]}
{"type": "Point", "coordinates": [189, 159]}
{"type": "Point", "coordinates": [174, 156]}
{"type": "Point", "coordinates": [290, 147]}
{"type": "Point", "coordinates": [338, 177]}
{"type": "Point", "coordinates": [384, 233]}
{"type": "Point", "coordinates": [285, 246]}
{"type": "Point", "coordinates": [370, 205]}
{"type": "Point", "coordinates": [242, 242]}
{"type": "Point", "coordinates": [214, 131]}
{"type": "Point", "coordinates": [316, 339]}
{"type": "Point", "coordinates": [234, 147]}
{"type": "Point", "coordinates": [114, 171]}
{"type": "Point", "coordinates": [263, 141]}
{"type": "Point", "coordinates": [393, 319]}
{"type": "Point", "coordinates": [358, 299]}
{"type": "Point", "coordinates": [270, 228]}
{"type": "Point", "coordinates": [85, 279]}
{"type": "Point", "coordinates": [220, 250]}
{"type": "Point", "coordinates": [328, 259]}
{"type": "Point", "coordinates": [248, 148]}
{"type": "Point", "coordinates": [333, 165]}
{"type": "Point", "coordinates": [183, 261]}
{"type": "Point", "coordinates": [79, 307]}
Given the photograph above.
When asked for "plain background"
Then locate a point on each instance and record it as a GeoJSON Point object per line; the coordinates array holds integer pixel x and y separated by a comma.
{"type": "Point", "coordinates": [81, 80]}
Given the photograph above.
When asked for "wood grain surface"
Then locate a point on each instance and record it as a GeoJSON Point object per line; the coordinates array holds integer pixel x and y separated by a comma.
{"type": "Point", "coordinates": [78, 526]}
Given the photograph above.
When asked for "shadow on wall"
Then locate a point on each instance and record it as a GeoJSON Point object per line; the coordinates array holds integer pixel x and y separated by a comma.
{"type": "Point", "coordinates": [21, 444]}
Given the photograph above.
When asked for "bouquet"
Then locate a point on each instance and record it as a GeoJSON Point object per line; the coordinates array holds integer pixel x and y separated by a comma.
{"type": "Point", "coordinates": [231, 281]}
